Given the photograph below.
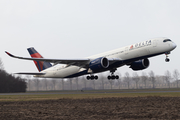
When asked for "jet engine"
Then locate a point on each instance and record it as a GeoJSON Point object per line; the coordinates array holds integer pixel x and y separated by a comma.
{"type": "Point", "coordinates": [140, 64]}
{"type": "Point", "coordinates": [99, 64]}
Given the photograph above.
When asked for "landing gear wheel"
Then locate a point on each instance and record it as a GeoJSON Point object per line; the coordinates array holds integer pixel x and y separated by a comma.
{"type": "Point", "coordinates": [167, 59]}
{"type": "Point", "coordinates": [95, 77]}
{"type": "Point", "coordinates": [88, 77]}
{"type": "Point", "coordinates": [92, 77]}
{"type": "Point", "coordinates": [113, 77]}
{"type": "Point", "coordinates": [117, 77]}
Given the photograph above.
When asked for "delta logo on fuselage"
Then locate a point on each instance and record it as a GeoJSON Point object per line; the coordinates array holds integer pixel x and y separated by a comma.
{"type": "Point", "coordinates": [139, 45]}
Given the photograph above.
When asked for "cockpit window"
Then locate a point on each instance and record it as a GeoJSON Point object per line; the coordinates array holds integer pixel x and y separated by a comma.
{"type": "Point", "coordinates": [166, 40]}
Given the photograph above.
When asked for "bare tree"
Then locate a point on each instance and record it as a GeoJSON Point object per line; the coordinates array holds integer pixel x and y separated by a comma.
{"type": "Point", "coordinates": [136, 79]}
{"type": "Point", "coordinates": [167, 77]}
{"type": "Point", "coordinates": [1, 65]}
{"type": "Point", "coordinates": [152, 78]}
{"type": "Point", "coordinates": [111, 82]}
{"type": "Point", "coordinates": [85, 82]}
{"type": "Point", "coordinates": [94, 84]}
{"type": "Point", "coordinates": [119, 80]}
{"type": "Point", "coordinates": [28, 78]}
{"type": "Point", "coordinates": [144, 78]}
{"type": "Point", "coordinates": [127, 79]}
{"type": "Point", "coordinates": [45, 83]}
{"type": "Point", "coordinates": [102, 80]}
{"type": "Point", "coordinates": [77, 83]}
{"type": "Point", "coordinates": [54, 84]}
{"type": "Point", "coordinates": [62, 84]}
{"type": "Point", "coordinates": [70, 81]}
{"type": "Point", "coordinates": [176, 76]}
{"type": "Point", "coordinates": [36, 80]}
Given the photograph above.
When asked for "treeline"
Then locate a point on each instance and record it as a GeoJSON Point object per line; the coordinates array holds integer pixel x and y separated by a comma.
{"type": "Point", "coordinates": [127, 81]}
{"type": "Point", "coordinates": [10, 83]}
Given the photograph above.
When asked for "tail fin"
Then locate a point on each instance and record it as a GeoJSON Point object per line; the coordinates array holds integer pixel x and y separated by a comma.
{"type": "Point", "coordinates": [41, 65]}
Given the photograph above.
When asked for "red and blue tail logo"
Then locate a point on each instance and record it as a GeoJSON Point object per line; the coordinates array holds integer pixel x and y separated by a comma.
{"type": "Point", "coordinates": [41, 65]}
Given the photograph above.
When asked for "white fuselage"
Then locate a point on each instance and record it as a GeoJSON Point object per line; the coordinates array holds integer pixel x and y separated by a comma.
{"type": "Point", "coordinates": [141, 50]}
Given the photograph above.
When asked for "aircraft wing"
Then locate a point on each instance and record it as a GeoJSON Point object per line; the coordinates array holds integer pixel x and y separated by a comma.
{"type": "Point", "coordinates": [76, 62]}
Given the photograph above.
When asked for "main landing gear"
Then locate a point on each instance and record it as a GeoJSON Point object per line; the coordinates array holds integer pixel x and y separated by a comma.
{"type": "Point", "coordinates": [92, 77]}
{"type": "Point", "coordinates": [112, 76]}
{"type": "Point", "coordinates": [167, 59]}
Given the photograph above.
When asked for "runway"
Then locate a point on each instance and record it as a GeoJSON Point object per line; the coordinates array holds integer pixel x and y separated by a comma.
{"type": "Point", "coordinates": [86, 92]}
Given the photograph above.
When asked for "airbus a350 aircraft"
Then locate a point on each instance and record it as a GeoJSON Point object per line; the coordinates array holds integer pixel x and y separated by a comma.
{"type": "Point", "coordinates": [136, 56]}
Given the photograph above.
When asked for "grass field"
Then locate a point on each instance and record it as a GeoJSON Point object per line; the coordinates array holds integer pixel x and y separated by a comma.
{"type": "Point", "coordinates": [92, 105]}
{"type": "Point", "coordinates": [90, 94]}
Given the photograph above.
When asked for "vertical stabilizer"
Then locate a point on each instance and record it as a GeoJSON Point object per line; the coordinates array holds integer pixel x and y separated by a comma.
{"type": "Point", "coordinates": [41, 65]}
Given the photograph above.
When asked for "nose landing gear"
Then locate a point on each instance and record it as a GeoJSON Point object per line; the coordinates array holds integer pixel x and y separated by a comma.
{"type": "Point", "coordinates": [167, 59]}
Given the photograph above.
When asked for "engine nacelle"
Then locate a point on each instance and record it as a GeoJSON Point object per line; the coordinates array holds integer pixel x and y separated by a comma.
{"type": "Point", "coordinates": [140, 64]}
{"type": "Point", "coordinates": [98, 64]}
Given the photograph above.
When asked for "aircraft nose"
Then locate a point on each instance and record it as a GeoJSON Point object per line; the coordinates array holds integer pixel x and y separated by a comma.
{"type": "Point", "coordinates": [174, 45]}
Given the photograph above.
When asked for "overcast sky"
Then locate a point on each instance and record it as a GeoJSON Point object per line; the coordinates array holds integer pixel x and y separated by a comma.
{"type": "Point", "coordinates": [81, 28]}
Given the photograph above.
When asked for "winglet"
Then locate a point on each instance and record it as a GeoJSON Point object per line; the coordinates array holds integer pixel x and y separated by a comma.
{"type": "Point", "coordinates": [9, 54]}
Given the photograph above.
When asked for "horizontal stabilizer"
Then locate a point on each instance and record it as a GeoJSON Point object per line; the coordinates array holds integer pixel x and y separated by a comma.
{"type": "Point", "coordinates": [31, 73]}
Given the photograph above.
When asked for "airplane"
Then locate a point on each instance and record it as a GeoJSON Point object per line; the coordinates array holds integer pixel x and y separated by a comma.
{"type": "Point", "coordinates": [135, 56]}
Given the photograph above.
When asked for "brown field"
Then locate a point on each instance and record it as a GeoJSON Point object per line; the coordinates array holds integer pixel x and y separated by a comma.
{"type": "Point", "coordinates": [108, 108]}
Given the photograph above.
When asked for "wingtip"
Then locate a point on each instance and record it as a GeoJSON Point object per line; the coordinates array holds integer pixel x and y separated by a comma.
{"type": "Point", "coordinates": [9, 54]}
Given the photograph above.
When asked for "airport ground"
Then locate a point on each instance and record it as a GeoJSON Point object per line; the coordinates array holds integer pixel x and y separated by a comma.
{"type": "Point", "coordinates": [149, 104]}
